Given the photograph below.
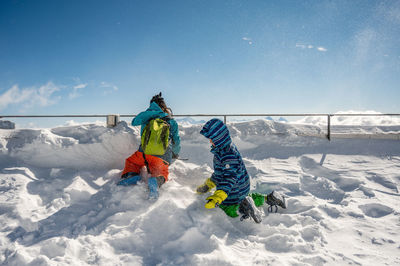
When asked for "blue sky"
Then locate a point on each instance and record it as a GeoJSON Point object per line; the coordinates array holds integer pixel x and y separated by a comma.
{"type": "Point", "coordinates": [100, 57]}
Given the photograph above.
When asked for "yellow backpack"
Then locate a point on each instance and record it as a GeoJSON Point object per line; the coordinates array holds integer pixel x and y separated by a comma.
{"type": "Point", "coordinates": [155, 137]}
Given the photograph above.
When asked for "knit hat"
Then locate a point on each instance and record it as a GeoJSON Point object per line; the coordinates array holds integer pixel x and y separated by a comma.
{"type": "Point", "coordinates": [158, 99]}
{"type": "Point", "coordinates": [217, 131]}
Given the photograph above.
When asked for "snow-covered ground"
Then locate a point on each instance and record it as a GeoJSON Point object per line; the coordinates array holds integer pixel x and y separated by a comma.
{"type": "Point", "coordinates": [59, 204]}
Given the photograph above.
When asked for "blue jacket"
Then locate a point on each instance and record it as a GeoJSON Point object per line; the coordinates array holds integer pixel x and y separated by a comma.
{"type": "Point", "coordinates": [230, 174]}
{"type": "Point", "coordinates": [154, 111]}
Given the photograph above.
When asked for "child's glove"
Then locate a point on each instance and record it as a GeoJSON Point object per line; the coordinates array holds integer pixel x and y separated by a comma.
{"type": "Point", "coordinates": [206, 187]}
{"type": "Point", "coordinates": [216, 199]}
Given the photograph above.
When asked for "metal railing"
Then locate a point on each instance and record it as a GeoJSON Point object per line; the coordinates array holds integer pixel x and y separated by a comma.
{"type": "Point", "coordinates": [114, 118]}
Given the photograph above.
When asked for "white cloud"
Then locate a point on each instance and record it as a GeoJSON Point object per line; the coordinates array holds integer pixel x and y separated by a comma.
{"type": "Point", "coordinates": [81, 86]}
{"type": "Point", "coordinates": [13, 96]}
{"type": "Point", "coordinates": [29, 97]}
{"type": "Point", "coordinates": [310, 46]}
{"type": "Point", "coordinates": [247, 39]}
{"type": "Point", "coordinates": [75, 93]}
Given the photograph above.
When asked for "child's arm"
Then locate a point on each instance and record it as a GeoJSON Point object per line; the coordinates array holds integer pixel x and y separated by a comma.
{"type": "Point", "coordinates": [176, 140]}
{"type": "Point", "coordinates": [224, 187]}
{"type": "Point", "coordinates": [217, 198]}
{"type": "Point", "coordinates": [206, 187]}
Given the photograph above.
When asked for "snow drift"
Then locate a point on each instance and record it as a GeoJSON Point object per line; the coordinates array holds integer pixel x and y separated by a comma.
{"type": "Point", "coordinates": [60, 205]}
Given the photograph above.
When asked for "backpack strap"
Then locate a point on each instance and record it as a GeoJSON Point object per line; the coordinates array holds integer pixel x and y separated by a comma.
{"type": "Point", "coordinates": [167, 119]}
{"type": "Point", "coordinates": [146, 163]}
{"type": "Point", "coordinates": [146, 136]}
{"type": "Point", "coordinates": [164, 134]}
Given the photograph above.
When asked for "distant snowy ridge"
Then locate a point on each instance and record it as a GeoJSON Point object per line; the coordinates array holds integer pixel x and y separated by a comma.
{"type": "Point", "coordinates": [338, 119]}
{"type": "Point", "coordinates": [187, 121]}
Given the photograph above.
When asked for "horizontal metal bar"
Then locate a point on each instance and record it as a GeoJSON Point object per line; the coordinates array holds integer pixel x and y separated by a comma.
{"type": "Point", "coordinates": [391, 136]}
{"type": "Point", "coordinates": [364, 114]}
{"type": "Point", "coordinates": [286, 115]}
{"type": "Point", "coordinates": [48, 116]}
{"type": "Point", "coordinates": [195, 115]}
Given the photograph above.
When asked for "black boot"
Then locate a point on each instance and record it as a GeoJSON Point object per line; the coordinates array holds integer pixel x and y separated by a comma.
{"type": "Point", "coordinates": [274, 199]}
{"type": "Point", "coordinates": [248, 209]}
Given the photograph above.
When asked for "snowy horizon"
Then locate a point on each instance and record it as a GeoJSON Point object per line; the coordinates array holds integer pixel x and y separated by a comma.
{"type": "Point", "coordinates": [337, 119]}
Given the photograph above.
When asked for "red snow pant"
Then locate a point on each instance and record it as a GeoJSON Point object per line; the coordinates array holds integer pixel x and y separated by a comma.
{"type": "Point", "coordinates": [157, 166]}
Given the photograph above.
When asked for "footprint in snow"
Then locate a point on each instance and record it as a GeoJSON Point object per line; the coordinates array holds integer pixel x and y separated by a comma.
{"type": "Point", "coordinates": [383, 181]}
{"type": "Point", "coordinates": [321, 188]}
{"type": "Point", "coordinates": [375, 210]}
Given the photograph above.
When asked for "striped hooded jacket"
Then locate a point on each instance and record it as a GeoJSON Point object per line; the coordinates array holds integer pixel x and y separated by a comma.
{"type": "Point", "coordinates": [230, 174]}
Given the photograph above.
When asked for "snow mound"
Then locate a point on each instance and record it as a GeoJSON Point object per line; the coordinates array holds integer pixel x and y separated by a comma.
{"type": "Point", "coordinates": [80, 147]}
{"type": "Point", "coordinates": [6, 124]}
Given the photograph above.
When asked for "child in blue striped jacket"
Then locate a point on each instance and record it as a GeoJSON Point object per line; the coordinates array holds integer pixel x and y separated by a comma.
{"type": "Point", "coordinates": [230, 177]}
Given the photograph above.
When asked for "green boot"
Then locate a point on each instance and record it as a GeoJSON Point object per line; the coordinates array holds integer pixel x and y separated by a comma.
{"type": "Point", "coordinates": [230, 210]}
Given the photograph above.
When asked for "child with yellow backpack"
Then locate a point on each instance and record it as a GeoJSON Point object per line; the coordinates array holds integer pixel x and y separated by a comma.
{"type": "Point", "coordinates": [160, 143]}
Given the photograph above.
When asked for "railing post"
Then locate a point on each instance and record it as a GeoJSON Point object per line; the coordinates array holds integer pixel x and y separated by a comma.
{"type": "Point", "coordinates": [225, 119]}
{"type": "Point", "coordinates": [112, 120]}
{"type": "Point", "coordinates": [329, 128]}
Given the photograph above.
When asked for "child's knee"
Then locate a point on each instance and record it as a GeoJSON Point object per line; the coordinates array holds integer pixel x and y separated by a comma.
{"type": "Point", "coordinates": [258, 199]}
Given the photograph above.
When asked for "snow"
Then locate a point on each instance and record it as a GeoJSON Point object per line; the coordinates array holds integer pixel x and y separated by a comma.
{"type": "Point", "coordinates": [4, 124]}
{"type": "Point", "coordinates": [370, 118]}
{"type": "Point", "coordinates": [60, 205]}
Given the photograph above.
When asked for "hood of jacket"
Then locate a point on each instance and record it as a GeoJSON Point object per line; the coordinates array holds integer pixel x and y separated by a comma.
{"type": "Point", "coordinates": [154, 111]}
{"type": "Point", "coordinates": [218, 132]}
